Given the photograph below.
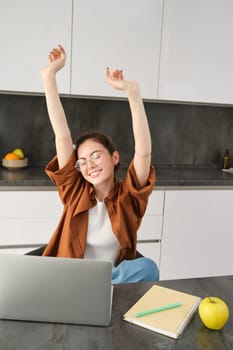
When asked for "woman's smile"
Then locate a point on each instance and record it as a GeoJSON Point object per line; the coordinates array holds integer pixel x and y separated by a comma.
{"type": "Point", "coordinates": [95, 173]}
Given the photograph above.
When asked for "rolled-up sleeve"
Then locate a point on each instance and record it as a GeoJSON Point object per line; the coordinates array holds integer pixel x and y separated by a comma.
{"type": "Point", "coordinates": [65, 178]}
{"type": "Point", "coordinates": [133, 184]}
{"type": "Point", "coordinates": [139, 194]}
{"type": "Point", "coordinates": [64, 175]}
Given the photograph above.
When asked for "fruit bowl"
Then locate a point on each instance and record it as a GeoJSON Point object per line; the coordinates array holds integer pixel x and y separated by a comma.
{"type": "Point", "coordinates": [15, 163]}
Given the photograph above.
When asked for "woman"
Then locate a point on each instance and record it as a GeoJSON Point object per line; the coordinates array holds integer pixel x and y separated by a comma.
{"type": "Point", "coordinates": [101, 215]}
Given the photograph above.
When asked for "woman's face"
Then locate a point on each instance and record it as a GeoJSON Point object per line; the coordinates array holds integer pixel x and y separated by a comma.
{"type": "Point", "coordinates": [96, 163]}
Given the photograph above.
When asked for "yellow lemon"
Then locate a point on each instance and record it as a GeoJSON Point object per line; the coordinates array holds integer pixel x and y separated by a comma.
{"type": "Point", "coordinates": [19, 152]}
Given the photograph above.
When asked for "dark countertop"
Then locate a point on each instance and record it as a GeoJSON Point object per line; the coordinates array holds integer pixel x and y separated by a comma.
{"type": "Point", "coordinates": [121, 335]}
{"type": "Point", "coordinates": [26, 177]}
{"type": "Point", "coordinates": [181, 177]}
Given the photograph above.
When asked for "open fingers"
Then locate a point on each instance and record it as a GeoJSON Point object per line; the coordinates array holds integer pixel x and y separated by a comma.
{"type": "Point", "coordinates": [61, 49]}
{"type": "Point", "coordinates": [56, 53]}
{"type": "Point", "coordinates": [107, 72]}
{"type": "Point", "coordinates": [116, 74]}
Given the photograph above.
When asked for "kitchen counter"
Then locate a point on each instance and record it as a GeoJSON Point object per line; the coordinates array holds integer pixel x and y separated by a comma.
{"type": "Point", "coordinates": [193, 177]}
{"type": "Point", "coordinates": [23, 179]}
{"type": "Point", "coordinates": [167, 178]}
{"type": "Point", "coordinates": [123, 335]}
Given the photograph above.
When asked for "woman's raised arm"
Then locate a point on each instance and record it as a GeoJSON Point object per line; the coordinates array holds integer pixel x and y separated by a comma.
{"type": "Point", "coordinates": [63, 140]}
{"type": "Point", "coordinates": [142, 137]}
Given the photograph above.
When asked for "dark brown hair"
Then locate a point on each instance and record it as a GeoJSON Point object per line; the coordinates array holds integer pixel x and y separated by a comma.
{"type": "Point", "coordinates": [100, 138]}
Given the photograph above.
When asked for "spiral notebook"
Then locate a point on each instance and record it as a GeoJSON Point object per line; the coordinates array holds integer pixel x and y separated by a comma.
{"type": "Point", "coordinates": [171, 321]}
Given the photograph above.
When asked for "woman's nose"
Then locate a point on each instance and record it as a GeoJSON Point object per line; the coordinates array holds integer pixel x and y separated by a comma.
{"type": "Point", "coordinates": [90, 163]}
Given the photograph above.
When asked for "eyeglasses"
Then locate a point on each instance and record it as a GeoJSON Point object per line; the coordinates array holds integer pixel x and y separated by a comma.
{"type": "Point", "coordinates": [95, 158]}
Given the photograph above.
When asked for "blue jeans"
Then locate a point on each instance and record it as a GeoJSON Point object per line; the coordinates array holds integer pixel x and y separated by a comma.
{"type": "Point", "coordinates": [136, 270]}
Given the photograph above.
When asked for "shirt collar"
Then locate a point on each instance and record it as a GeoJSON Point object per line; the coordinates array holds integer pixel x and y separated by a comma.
{"type": "Point", "coordinates": [88, 201]}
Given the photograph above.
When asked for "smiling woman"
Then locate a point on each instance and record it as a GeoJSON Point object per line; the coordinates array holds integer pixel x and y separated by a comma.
{"type": "Point", "coordinates": [101, 139]}
{"type": "Point", "coordinates": [100, 173]}
{"type": "Point", "coordinates": [101, 214]}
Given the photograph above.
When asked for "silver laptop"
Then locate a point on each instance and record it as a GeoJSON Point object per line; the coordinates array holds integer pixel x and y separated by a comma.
{"type": "Point", "coordinates": [48, 289]}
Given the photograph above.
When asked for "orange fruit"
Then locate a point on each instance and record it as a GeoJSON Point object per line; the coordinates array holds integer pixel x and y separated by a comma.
{"type": "Point", "coordinates": [11, 156]}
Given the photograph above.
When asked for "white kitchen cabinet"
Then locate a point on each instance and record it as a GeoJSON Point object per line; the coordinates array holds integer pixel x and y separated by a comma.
{"type": "Point", "coordinates": [196, 51]}
{"type": "Point", "coordinates": [151, 226]}
{"type": "Point", "coordinates": [150, 231]}
{"type": "Point", "coordinates": [125, 36]}
{"type": "Point", "coordinates": [17, 250]}
{"type": "Point", "coordinates": [150, 250]}
{"type": "Point", "coordinates": [28, 219]}
{"type": "Point", "coordinates": [197, 235]}
{"type": "Point", "coordinates": [28, 32]}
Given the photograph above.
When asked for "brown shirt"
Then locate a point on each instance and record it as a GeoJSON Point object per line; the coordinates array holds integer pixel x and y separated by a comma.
{"type": "Point", "coordinates": [126, 205]}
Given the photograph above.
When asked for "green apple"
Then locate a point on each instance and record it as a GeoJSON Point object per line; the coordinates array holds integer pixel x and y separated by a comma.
{"type": "Point", "coordinates": [19, 152]}
{"type": "Point", "coordinates": [213, 312]}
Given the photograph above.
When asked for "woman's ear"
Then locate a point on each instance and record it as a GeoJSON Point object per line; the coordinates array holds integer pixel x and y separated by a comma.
{"type": "Point", "coordinates": [116, 157]}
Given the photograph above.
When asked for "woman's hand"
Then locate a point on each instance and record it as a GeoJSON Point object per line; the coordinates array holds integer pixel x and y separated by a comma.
{"type": "Point", "coordinates": [56, 60]}
{"type": "Point", "coordinates": [117, 81]}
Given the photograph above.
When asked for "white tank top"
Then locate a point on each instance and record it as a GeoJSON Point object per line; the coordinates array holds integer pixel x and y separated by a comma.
{"type": "Point", "coordinates": [102, 243]}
